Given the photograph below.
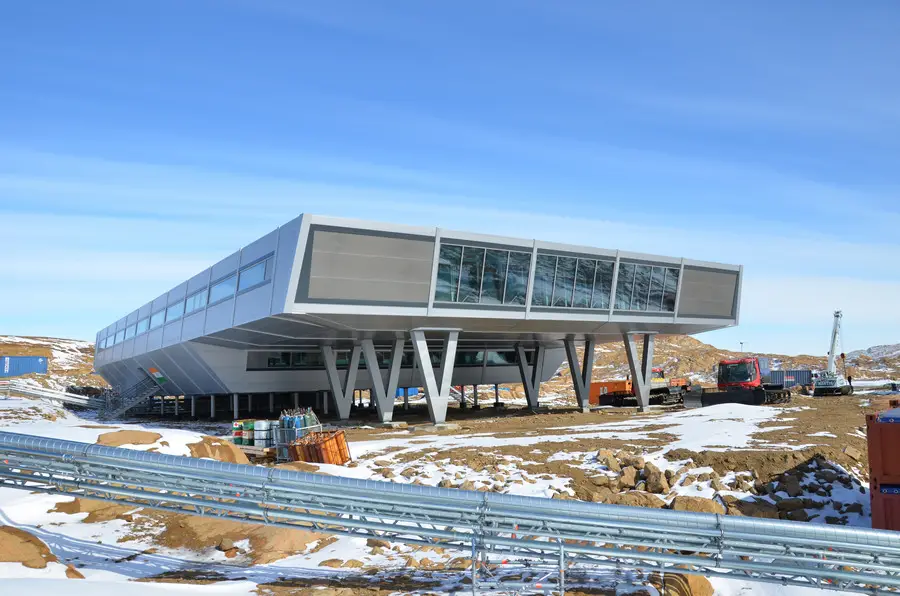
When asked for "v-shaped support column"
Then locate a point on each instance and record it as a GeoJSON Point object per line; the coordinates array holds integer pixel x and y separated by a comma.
{"type": "Point", "coordinates": [384, 396]}
{"type": "Point", "coordinates": [342, 392]}
{"type": "Point", "coordinates": [531, 379]}
{"type": "Point", "coordinates": [437, 387]}
{"type": "Point", "coordinates": [581, 373]}
{"type": "Point", "coordinates": [641, 371]}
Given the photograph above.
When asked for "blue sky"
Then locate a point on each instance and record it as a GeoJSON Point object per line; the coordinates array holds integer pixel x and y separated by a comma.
{"type": "Point", "coordinates": [142, 141]}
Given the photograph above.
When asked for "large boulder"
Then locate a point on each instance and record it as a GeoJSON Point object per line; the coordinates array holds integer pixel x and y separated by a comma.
{"type": "Point", "coordinates": [630, 459]}
{"type": "Point", "coordinates": [636, 499]}
{"type": "Point", "coordinates": [790, 485]}
{"type": "Point", "coordinates": [696, 504]}
{"type": "Point", "coordinates": [750, 507]}
{"type": "Point", "coordinates": [629, 477]}
{"type": "Point", "coordinates": [607, 458]}
{"type": "Point", "coordinates": [656, 483]}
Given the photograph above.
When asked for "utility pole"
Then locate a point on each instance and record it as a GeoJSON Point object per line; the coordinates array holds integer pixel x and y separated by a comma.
{"type": "Point", "coordinates": [742, 347]}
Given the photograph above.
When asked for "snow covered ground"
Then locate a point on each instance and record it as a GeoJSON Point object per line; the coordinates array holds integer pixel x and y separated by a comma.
{"type": "Point", "coordinates": [110, 556]}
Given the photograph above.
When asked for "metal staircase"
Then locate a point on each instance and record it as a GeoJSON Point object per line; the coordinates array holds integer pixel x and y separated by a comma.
{"type": "Point", "coordinates": [120, 402]}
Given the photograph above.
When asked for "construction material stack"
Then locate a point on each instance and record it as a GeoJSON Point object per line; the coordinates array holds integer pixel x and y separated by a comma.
{"type": "Point", "coordinates": [321, 448]}
{"type": "Point", "coordinates": [883, 431]}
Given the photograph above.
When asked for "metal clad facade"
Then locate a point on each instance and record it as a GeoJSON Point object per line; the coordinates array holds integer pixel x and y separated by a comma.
{"type": "Point", "coordinates": [16, 366]}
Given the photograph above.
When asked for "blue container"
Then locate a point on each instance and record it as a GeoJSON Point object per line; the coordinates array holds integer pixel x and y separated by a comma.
{"type": "Point", "coordinates": [16, 366]}
{"type": "Point", "coordinates": [791, 378]}
{"type": "Point", "coordinates": [413, 391]}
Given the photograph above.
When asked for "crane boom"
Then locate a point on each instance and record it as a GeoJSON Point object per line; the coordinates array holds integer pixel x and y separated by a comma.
{"type": "Point", "coordinates": [835, 341]}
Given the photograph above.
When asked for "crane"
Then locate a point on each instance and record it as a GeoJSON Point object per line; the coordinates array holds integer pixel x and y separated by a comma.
{"type": "Point", "coordinates": [830, 382]}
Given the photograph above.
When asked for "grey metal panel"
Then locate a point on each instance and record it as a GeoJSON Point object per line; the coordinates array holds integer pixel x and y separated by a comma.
{"type": "Point", "coordinates": [707, 293]}
{"type": "Point", "coordinates": [285, 254]}
{"type": "Point", "coordinates": [199, 281]}
{"type": "Point", "coordinates": [219, 316]}
{"type": "Point", "coordinates": [117, 352]}
{"type": "Point", "coordinates": [348, 266]}
{"type": "Point", "coordinates": [127, 348]}
{"type": "Point", "coordinates": [253, 304]}
{"type": "Point", "coordinates": [171, 333]}
{"type": "Point", "coordinates": [177, 293]}
{"type": "Point", "coordinates": [154, 339]}
{"type": "Point", "coordinates": [145, 311]}
{"type": "Point", "coordinates": [140, 344]}
{"type": "Point", "coordinates": [193, 325]}
{"type": "Point", "coordinates": [259, 248]}
{"type": "Point", "coordinates": [132, 318]}
{"type": "Point", "coordinates": [160, 303]}
{"type": "Point", "coordinates": [226, 266]}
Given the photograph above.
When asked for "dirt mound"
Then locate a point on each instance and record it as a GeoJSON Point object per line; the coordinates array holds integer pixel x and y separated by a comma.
{"type": "Point", "coordinates": [18, 546]}
{"type": "Point", "coordinates": [219, 450]}
{"type": "Point", "coordinates": [128, 437]}
{"type": "Point", "coordinates": [769, 465]}
{"type": "Point", "coordinates": [98, 511]}
{"type": "Point", "coordinates": [299, 466]}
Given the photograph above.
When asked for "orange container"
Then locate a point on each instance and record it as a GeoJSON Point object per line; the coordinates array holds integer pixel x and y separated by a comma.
{"type": "Point", "coordinates": [321, 448]}
{"type": "Point", "coordinates": [883, 432]}
{"type": "Point", "coordinates": [601, 389]}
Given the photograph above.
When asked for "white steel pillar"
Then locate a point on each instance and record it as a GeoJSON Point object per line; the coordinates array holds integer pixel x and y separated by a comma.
{"type": "Point", "coordinates": [581, 372]}
{"type": "Point", "coordinates": [531, 379]}
{"type": "Point", "coordinates": [437, 387]}
{"type": "Point", "coordinates": [383, 395]}
{"type": "Point", "coordinates": [343, 392]}
{"type": "Point", "coordinates": [271, 403]}
{"type": "Point", "coordinates": [641, 371]}
{"type": "Point", "coordinates": [234, 405]}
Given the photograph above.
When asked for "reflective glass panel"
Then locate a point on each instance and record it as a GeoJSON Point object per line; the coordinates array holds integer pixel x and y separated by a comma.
{"type": "Point", "coordinates": [252, 276]}
{"type": "Point", "coordinates": [157, 319]}
{"type": "Point", "coordinates": [671, 286]}
{"type": "Point", "coordinates": [657, 280]}
{"type": "Point", "coordinates": [470, 275]}
{"type": "Point", "coordinates": [120, 336]}
{"type": "Point", "coordinates": [223, 289]}
{"type": "Point", "coordinates": [129, 331]}
{"type": "Point", "coordinates": [448, 273]}
{"type": "Point", "coordinates": [545, 269]}
{"type": "Point", "coordinates": [565, 281]}
{"type": "Point", "coordinates": [641, 287]}
{"type": "Point", "coordinates": [143, 325]}
{"type": "Point", "coordinates": [602, 284]}
{"type": "Point", "coordinates": [494, 276]}
{"type": "Point", "coordinates": [584, 283]}
{"type": "Point", "coordinates": [174, 312]}
{"type": "Point", "coordinates": [624, 286]}
{"type": "Point", "coordinates": [517, 278]}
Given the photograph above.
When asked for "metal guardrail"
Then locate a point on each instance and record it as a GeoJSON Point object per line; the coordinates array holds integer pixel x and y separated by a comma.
{"type": "Point", "coordinates": [568, 536]}
{"type": "Point", "coordinates": [28, 390]}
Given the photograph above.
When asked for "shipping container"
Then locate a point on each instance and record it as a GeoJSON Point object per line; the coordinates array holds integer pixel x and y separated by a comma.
{"type": "Point", "coordinates": [413, 391]}
{"type": "Point", "coordinates": [16, 366]}
{"type": "Point", "coordinates": [883, 431]}
{"type": "Point", "coordinates": [791, 378]}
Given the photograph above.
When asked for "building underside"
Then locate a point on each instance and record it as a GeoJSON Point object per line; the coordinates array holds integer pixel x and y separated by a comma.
{"type": "Point", "coordinates": [329, 307]}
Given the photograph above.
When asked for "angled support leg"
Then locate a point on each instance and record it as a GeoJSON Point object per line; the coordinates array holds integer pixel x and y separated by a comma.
{"type": "Point", "coordinates": [342, 392]}
{"type": "Point", "coordinates": [641, 371]}
{"type": "Point", "coordinates": [384, 397]}
{"type": "Point", "coordinates": [581, 373]}
{"type": "Point", "coordinates": [531, 378]}
{"type": "Point", "coordinates": [437, 387]}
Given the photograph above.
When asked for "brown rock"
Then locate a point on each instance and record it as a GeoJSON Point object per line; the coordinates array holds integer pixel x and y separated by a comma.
{"type": "Point", "coordinates": [605, 457]}
{"type": "Point", "coordinates": [73, 573]}
{"type": "Point", "coordinates": [853, 508]}
{"type": "Point", "coordinates": [826, 475]}
{"type": "Point", "coordinates": [698, 504]}
{"type": "Point", "coordinates": [799, 515]}
{"type": "Point", "coordinates": [600, 481]}
{"type": "Point", "coordinates": [225, 544]}
{"type": "Point", "coordinates": [853, 453]}
{"type": "Point", "coordinates": [383, 463]}
{"type": "Point", "coordinates": [675, 584]}
{"type": "Point", "coordinates": [717, 485]}
{"type": "Point", "coordinates": [388, 474]}
{"type": "Point", "coordinates": [600, 495]}
{"type": "Point", "coordinates": [498, 478]}
{"type": "Point", "coordinates": [467, 485]}
{"type": "Point", "coordinates": [750, 507]}
{"type": "Point", "coordinates": [445, 484]}
{"type": "Point", "coordinates": [636, 499]}
{"type": "Point", "coordinates": [376, 543]}
{"type": "Point", "coordinates": [629, 477]}
{"type": "Point", "coordinates": [703, 477]}
{"type": "Point", "coordinates": [791, 486]}
{"type": "Point", "coordinates": [408, 472]}
{"type": "Point", "coordinates": [411, 563]}
{"type": "Point", "coordinates": [650, 469]}
{"type": "Point", "coordinates": [790, 504]}
{"type": "Point", "coordinates": [656, 483]}
{"type": "Point", "coordinates": [629, 459]}
{"type": "Point", "coordinates": [669, 475]}
{"type": "Point", "coordinates": [333, 563]}
{"type": "Point", "coordinates": [353, 564]}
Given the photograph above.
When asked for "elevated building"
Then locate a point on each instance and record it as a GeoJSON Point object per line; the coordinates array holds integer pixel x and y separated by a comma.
{"type": "Point", "coordinates": [324, 306]}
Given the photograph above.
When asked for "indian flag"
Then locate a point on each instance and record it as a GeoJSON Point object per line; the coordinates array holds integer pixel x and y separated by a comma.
{"type": "Point", "coordinates": [157, 376]}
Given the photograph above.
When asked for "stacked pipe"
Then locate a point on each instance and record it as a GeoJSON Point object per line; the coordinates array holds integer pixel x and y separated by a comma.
{"type": "Point", "coordinates": [487, 525]}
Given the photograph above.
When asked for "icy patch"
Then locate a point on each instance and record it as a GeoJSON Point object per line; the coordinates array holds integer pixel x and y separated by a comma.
{"type": "Point", "coordinates": [823, 434]}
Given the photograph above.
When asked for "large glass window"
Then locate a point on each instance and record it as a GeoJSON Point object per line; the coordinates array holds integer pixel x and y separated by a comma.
{"type": "Point", "coordinates": [517, 278]}
{"type": "Point", "coordinates": [469, 358]}
{"type": "Point", "coordinates": [142, 326]}
{"type": "Point", "coordinates": [174, 312]}
{"type": "Point", "coordinates": [195, 301]}
{"type": "Point", "coordinates": [120, 336]}
{"type": "Point", "coordinates": [449, 262]}
{"type": "Point", "coordinates": [657, 281]}
{"type": "Point", "coordinates": [278, 360]}
{"type": "Point", "coordinates": [584, 283]}
{"type": "Point", "coordinates": [470, 275]}
{"type": "Point", "coordinates": [223, 289]}
{"type": "Point", "coordinates": [565, 281]}
{"type": "Point", "coordinates": [157, 319]}
{"type": "Point", "coordinates": [641, 287]}
{"type": "Point", "coordinates": [670, 287]}
{"type": "Point", "coordinates": [129, 331]}
{"type": "Point", "coordinates": [545, 271]}
{"type": "Point", "coordinates": [494, 281]}
{"type": "Point", "coordinates": [253, 275]}
{"type": "Point", "coordinates": [624, 286]}
{"type": "Point", "coordinates": [602, 284]}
